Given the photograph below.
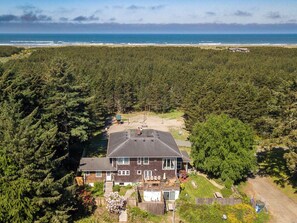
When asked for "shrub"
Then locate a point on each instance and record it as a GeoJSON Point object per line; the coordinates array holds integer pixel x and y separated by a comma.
{"type": "Point", "coordinates": [116, 188]}
{"type": "Point", "coordinates": [226, 192]}
{"type": "Point", "coordinates": [86, 200]}
{"type": "Point", "coordinates": [136, 213]}
{"type": "Point", "coordinates": [98, 189]}
{"type": "Point", "coordinates": [228, 183]}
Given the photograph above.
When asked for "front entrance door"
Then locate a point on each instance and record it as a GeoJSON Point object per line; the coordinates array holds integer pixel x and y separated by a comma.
{"type": "Point", "coordinates": [108, 176]}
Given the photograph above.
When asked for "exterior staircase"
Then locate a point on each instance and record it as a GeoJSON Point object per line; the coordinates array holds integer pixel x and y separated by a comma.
{"type": "Point", "coordinates": [108, 187]}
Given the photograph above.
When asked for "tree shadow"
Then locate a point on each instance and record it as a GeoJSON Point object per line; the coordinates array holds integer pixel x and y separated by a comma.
{"type": "Point", "coordinates": [273, 164]}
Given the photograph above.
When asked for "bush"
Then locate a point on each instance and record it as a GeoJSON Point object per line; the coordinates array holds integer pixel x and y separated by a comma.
{"type": "Point", "coordinates": [86, 200]}
{"type": "Point", "coordinates": [226, 192]}
{"type": "Point", "coordinates": [228, 183]}
{"type": "Point", "coordinates": [115, 202]}
{"type": "Point", "coordinates": [98, 189]}
{"type": "Point", "coordinates": [116, 188]}
{"type": "Point", "coordinates": [136, 213]}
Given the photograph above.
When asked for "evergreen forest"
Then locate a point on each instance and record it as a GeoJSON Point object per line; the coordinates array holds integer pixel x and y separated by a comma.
{"type": "Point", "coordinates": [52, 101]}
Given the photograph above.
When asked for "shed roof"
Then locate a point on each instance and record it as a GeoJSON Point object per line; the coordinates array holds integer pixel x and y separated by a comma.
{"type": "Point", "coordinates": [186, 158]}
{"type": "Point", "coordinates": [95, 164]}
{"type": "Point", "coordinates": [150, 143]}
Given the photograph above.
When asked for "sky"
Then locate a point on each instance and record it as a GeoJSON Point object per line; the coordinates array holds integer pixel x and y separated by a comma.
{"type": "Point", "coordinates": [147, 15]}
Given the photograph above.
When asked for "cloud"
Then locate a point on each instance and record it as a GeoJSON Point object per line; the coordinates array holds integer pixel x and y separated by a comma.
{"type": "Point", "coordinates": [273, 15]}
{"type": "Point", "coordinates": [292, 21]}
{"type": "Point", "coordinates": [135, 7]}
{"type": "Point", "coordinates": [117, 6]}
{"type": "Point", "coordinates": [242, 13]}
{"type": "Point", "coordinates": [32, 17]}
{"type": "Point", "coordinates": [63, 19]}
{"type": "Point", "coordinates": [156, 7]}
{"type": "Point", "coordinates": [112, 19]}
{"type": "Point", "coordinates": [211, 13]}
{"type": "Point", "coordinates": [29, 8]}
{"type": "Point", "coordinates": [27, 17]}
{"type": "Point", "coordinates": [8, 18]}
{"type": "Point", "coordinates": [85, 18]}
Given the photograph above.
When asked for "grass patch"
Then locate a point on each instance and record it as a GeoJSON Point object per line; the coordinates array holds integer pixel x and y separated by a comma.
{"type": "Point", "coordinates": [100, 216]}
{"type": "Point", "coordinates": [135, 214]}
{"type": "Point", "coordinates": [169, 115]}
{"type": "Point", "coordinates": [213, 213]}
{"type": "Point", "coordinates": [180, 134]}
{"type": "Point", "coordinates": [187, 149]}
{"type": "Point", "coordinates": [204, 189]}
{"type": "Point", "coordinates": [175, 114]}
{"type": "Point", "coordinates": [121, 189]}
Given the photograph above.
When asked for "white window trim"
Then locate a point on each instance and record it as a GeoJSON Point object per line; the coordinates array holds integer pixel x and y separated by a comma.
{"type": "Point", "coordinates": [139, 161]}
{"type": "Point", "coordinates": [97, 173]}
{"type": "Point", "coordinates": [169, 168]}
{"type": "Point", "coordinates": [87, 173]}
{"type": "Point", "coordinates": [123, 163]}
{"type": "Point", "coordinates": [148, 161]}
{"type": "Point", "coordinates": [123, 172]}
{"type": "Point", "coordinates": [149, 171]}
{"type": "Point", "coordinates": [139, 172]}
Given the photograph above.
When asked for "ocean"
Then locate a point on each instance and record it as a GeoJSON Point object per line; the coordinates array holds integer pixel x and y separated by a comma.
{"type": "Point", "coordinates": [147, 39]}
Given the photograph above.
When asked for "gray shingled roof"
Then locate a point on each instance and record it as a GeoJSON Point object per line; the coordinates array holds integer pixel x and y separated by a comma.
{"type": "Point", "coordinates": [151, 143]}
{"type": "Point", "coordinates": [186, 157]}
{"type": "Point", "coordinates": [95, 164]}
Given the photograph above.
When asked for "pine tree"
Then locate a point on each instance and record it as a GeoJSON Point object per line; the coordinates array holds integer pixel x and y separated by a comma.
{"type": "Point", "coordinates": [35, 185]}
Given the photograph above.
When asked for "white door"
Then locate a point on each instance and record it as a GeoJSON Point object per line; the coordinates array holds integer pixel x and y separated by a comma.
{"type": "Point", "coordinates": [108, 176]}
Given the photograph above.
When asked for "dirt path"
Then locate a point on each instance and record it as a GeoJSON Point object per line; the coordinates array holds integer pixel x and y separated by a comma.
{"type": "Point", "coordinates": [282, 208]}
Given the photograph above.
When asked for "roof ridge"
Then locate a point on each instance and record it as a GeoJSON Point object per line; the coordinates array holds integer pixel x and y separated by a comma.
{"type": "Point", "coordinates": [117, 148]}
{"type": "Point", "coordinates": [169, 146]}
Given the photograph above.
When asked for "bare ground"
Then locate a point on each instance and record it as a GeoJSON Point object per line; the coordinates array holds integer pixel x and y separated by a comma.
{"type": "Point", "coordinates": [147, 121]}
{"type": "Point", "coordinates": [282, 208]}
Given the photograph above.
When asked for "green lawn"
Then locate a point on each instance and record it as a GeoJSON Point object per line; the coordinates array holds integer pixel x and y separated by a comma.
{"type": "Point", "coordinates": [180, 134]}
{"type": "Point", "coordinates": [171, 115]}
{"type": "Point", "coordinates": [204, 188]}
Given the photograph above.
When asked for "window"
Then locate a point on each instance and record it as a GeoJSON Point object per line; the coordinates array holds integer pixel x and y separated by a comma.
{"type": "Point", "coordinates": [138, 172]}
{"type": "Point", "coordinates": [179, 165]}
{"type": "Point", "coordinates": [123, 172]}
{"type": "Point", "coordinates": [87, 173]}
{"type": "Point", "coordinates": [169, 195]}
{"type": "Point", "coordinates": [147, 174]}
{"type": "Point", "coordinates": [98, 173]}
{"type": "Point", "coordinates": [168, 164]}
{"type": "Point", "coordinates": [138, 161]}
{"type": "Point", "coordinates": [146, 161]}
{"type": "Point", "coordinates": [123, 161]}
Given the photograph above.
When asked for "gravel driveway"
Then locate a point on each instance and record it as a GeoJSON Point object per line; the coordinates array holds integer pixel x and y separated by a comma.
{"type": "Point", "coordinates": [282, 208]}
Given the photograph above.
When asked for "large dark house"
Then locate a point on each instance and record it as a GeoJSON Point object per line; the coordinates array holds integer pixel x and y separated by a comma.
{"type": "Point", "coordinates": [138, 156]}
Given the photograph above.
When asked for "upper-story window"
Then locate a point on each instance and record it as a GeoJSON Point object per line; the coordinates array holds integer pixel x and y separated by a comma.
{"type": "Point", "coordinates": [123, 161]}
{"type": "Point", "coordinates": [139, 160]}
{"type": "Point", "coordinates": [168, 164]}
{"type": "Point", "coordinates": [146, 161]}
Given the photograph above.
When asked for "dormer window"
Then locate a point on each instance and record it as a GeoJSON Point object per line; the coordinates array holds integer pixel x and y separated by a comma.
{"type": "Point", "coordinates": [123, 161]}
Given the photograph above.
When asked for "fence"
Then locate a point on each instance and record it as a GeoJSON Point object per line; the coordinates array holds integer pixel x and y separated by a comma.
{"type": "Point", "coordinates": [222, 201]}
{"type": "Point", "coordinates": [157, 208]}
